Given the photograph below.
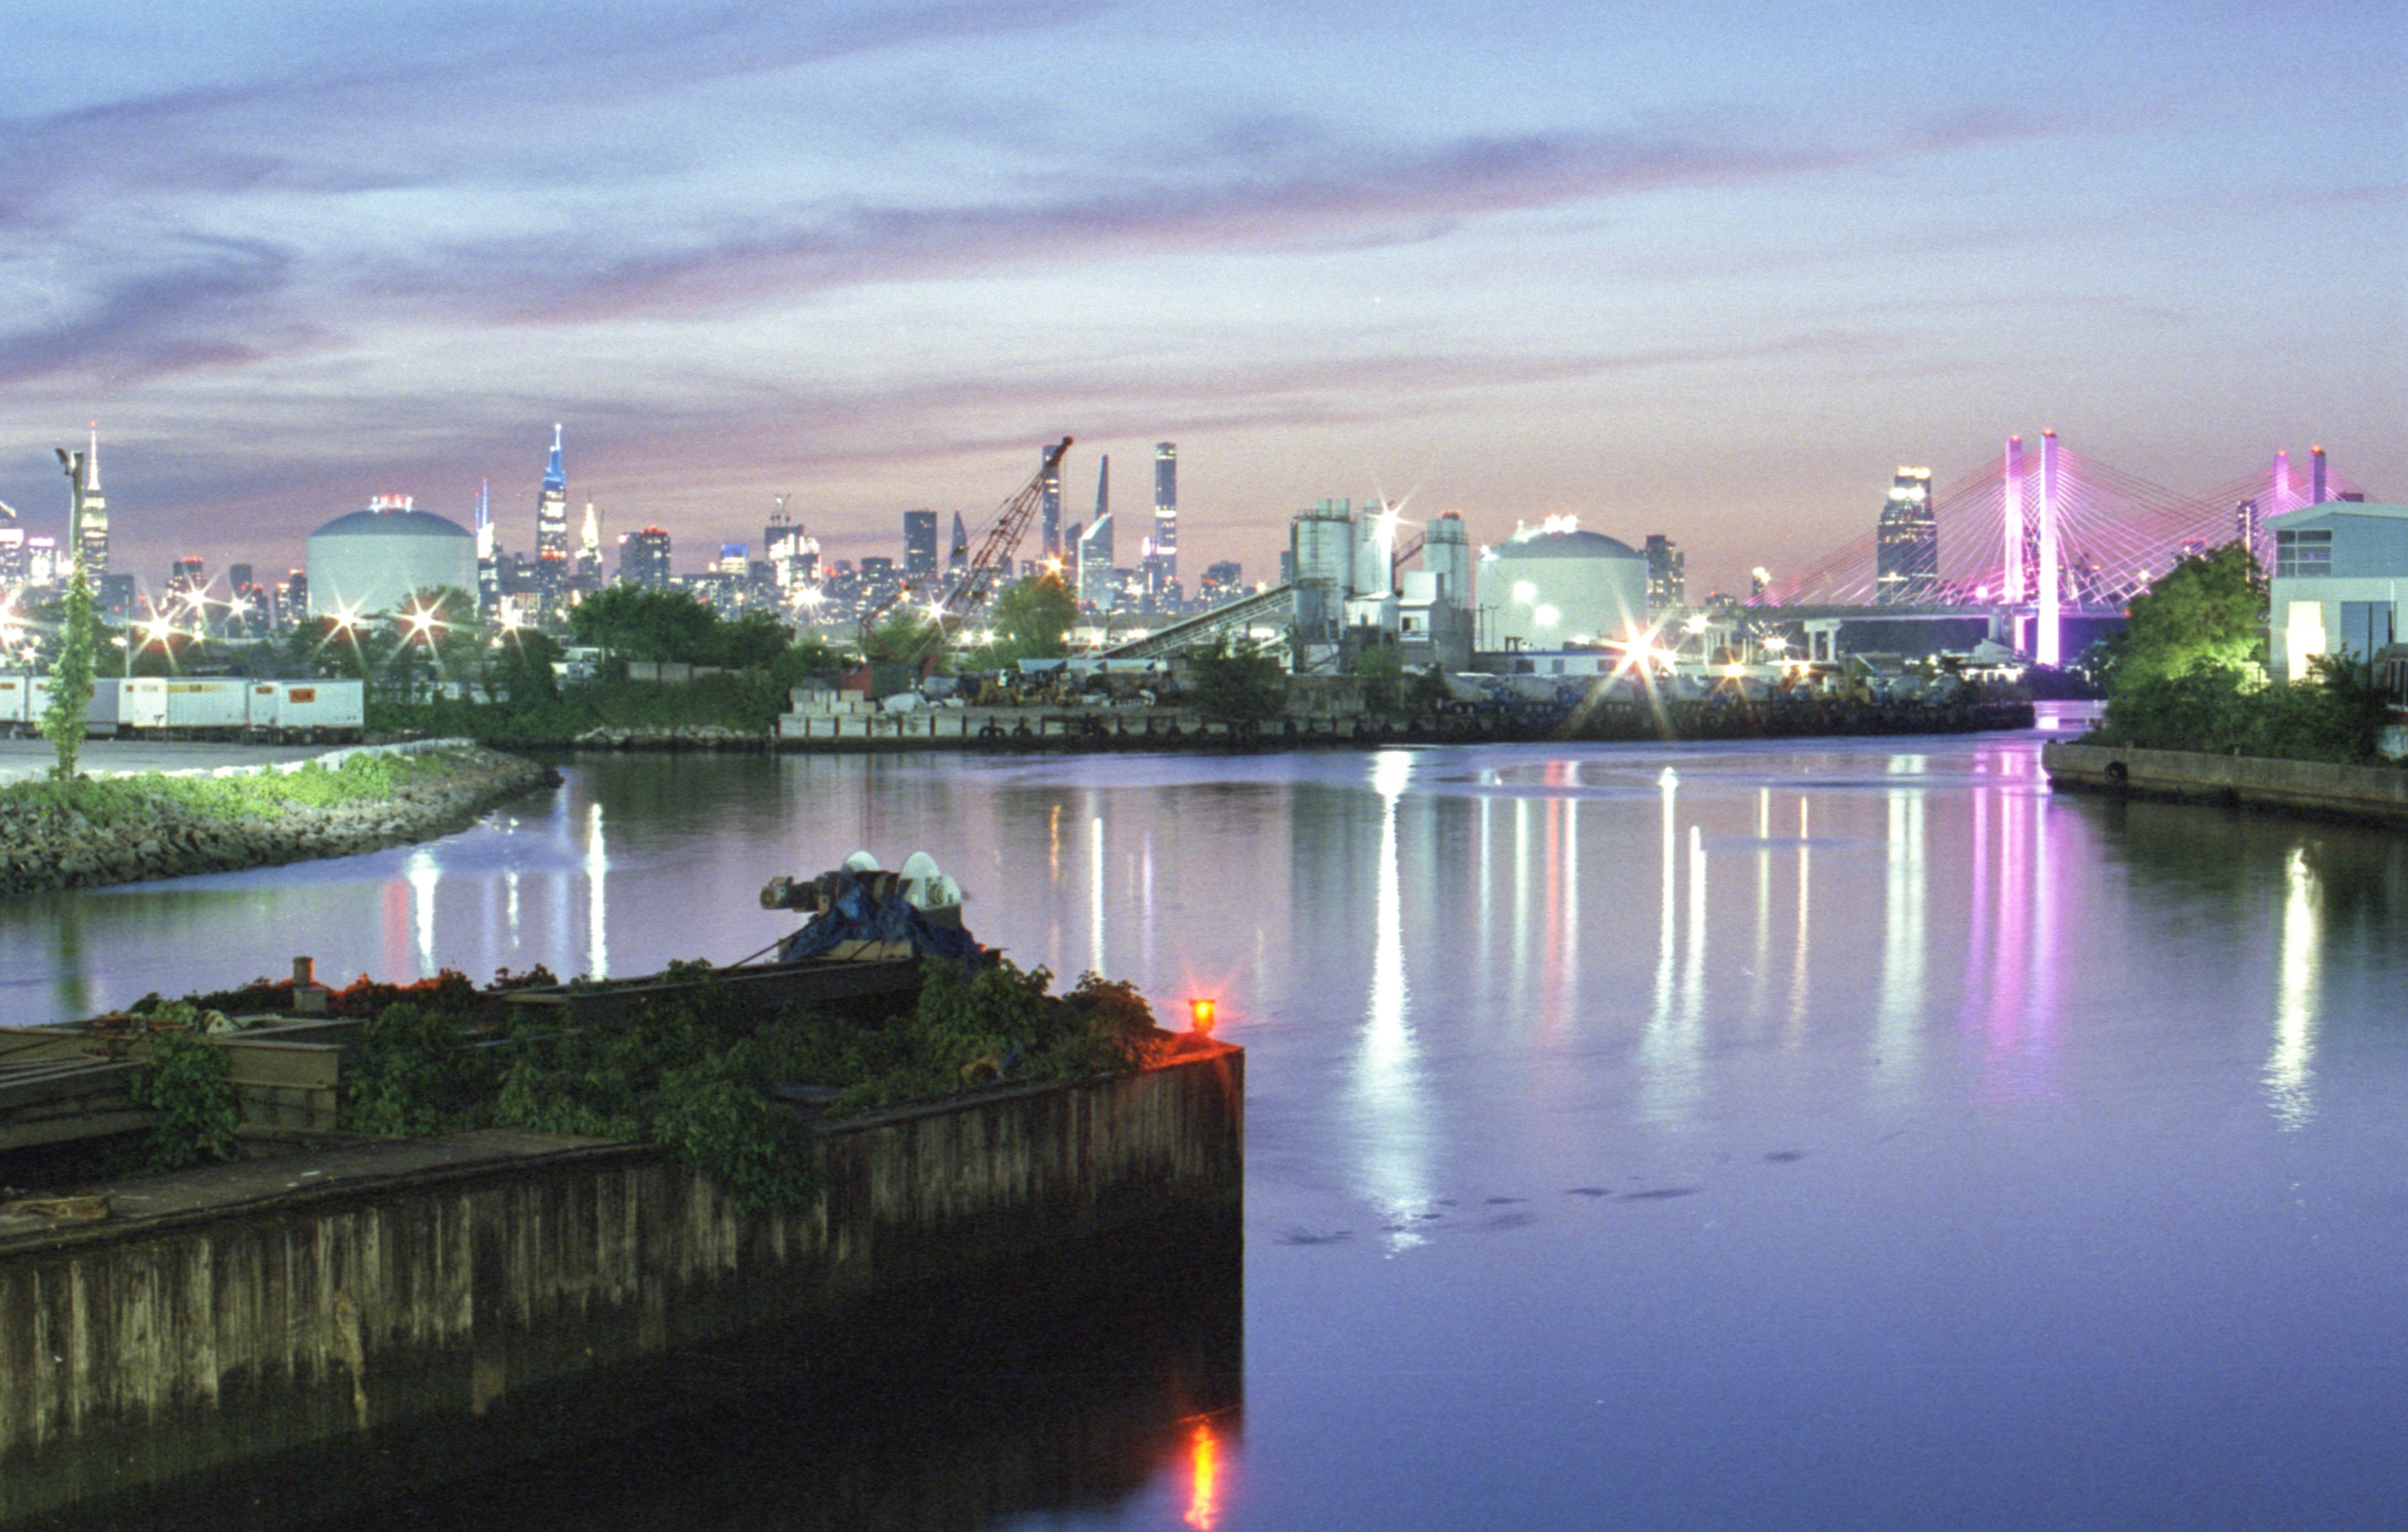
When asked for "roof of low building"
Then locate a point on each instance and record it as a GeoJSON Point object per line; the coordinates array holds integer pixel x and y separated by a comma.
{"type": "Point", "coordinates": [393, 523]}
{"type": "Point", "coordinates": [1565, 545]}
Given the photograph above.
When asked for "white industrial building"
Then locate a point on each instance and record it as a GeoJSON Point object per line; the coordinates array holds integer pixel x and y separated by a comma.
{"type": "Point", "coordinates": [374, 560]}
{"type": "Point", "coordinates": [2341, 572]}
{"type": "Point", "coordinates": [1348, 593]}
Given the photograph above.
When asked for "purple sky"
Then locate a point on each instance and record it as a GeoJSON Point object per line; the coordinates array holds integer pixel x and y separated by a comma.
{"type": "Point", "coordinates": [1706, 270]}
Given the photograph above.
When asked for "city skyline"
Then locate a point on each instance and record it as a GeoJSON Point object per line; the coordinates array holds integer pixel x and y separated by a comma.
{"type": "Point", "coordinates": [291, 261]}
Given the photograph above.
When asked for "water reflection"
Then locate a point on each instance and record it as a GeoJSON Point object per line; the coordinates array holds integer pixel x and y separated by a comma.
{"type": "Point", "coordinates": [1391, 1103]}
{"type": "Point", "coordinates": [1669, 1085]}
{"type": "Point", "coordinates": [1515, 1116]}
{"type": "Point", "coordinates": [1204, 1480]}
{"type": "Point", "coordinates": [1906, 898]}
{"type": "Point", "coordinates": [2289, 1076]}
{"type": "Point", "coordinates": [597, 905]}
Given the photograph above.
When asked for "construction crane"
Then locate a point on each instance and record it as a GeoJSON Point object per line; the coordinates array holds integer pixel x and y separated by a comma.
{"type": "Point", "coordinates": [992, 557]}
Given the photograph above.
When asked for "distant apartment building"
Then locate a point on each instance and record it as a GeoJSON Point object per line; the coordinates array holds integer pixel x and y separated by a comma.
{"type": "Point", "coordinates": [1668, 583]}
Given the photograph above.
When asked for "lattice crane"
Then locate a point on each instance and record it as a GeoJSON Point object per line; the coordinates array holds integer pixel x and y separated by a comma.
{"type": "Point", "coordinates": [992, 556]}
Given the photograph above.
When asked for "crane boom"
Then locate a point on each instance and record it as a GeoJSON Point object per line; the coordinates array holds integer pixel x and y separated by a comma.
{"type": "Point", "coordinates": [1002, 539]}
{"type": "Point", "coordinates": [994, 553]}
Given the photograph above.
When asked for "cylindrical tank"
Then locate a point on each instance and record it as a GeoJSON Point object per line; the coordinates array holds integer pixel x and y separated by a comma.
{"type": "Point", "coordinates": [1561, 585]}
{"type": "Point", "coordinates": [1447, 554]}
{"type": "Point", "coordinates": [1373, 556]}
{"type": "Point", "coordinates": [1321, 545]}
{"type": "Point", "coordinates": [374, 560]}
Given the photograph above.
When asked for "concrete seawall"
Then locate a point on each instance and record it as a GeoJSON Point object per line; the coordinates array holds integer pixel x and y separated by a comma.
{"type": "Point", "coordinates": [259, 1320]}
{"type": "Point", "coordinates": [2309, 786]}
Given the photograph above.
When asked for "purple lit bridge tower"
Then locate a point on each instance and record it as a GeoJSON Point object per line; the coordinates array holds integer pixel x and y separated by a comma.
{"type": "Point", "coordinates": [2067, 536]}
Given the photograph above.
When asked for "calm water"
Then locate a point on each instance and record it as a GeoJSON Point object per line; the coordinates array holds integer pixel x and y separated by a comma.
{"type": "Point", "coordinates": [1841, 1135]}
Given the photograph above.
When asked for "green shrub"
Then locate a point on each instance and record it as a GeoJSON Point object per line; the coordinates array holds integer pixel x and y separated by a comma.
{"type": "Point", "coordinates": [413, 1074]}
{"type": "Point", "coordinates": [727, 1127]}
{"type": "Point", "coordinates": [189, 1082]}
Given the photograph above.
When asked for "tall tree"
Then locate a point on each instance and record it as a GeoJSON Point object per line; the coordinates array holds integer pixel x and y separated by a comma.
{"type": "Point", "coordinates": [1032, 618]}
{"type": "Point", "coordinates": [63, 721]}
{"type": "Point", "coordinates": [2206, 613]}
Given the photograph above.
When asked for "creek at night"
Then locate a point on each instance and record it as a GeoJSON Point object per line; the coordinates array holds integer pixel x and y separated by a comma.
{"type": "Point", "coordinates": [1839, 1133]}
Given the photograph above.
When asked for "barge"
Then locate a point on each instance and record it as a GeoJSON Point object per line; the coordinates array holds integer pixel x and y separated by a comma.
{"type": "Point", "coordinates": [346, 1317]}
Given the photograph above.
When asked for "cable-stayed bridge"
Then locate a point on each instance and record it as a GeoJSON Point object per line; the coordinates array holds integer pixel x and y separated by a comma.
{"type": "Point", "coordinates": [2049, 534]}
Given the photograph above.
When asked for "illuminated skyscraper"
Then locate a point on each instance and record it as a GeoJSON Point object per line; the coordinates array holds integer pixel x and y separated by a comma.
{"type": "Point", "coordinates": [1093, 563]}
{"type": "Point", "coordinates": [920, 542]}
{"type": "Point", "coordinates": [552, 527]}
{"type": "Point", "coordinates": [957, 561]}
{"type": "Point", "coordinates": [12, 551]}
{"type": "Point", "coordinates": [489, 570]}
{"type": "Point", "coordinates": [1668, 583]}
{"type": "Point", "coordinates": [792, 552]}
{"type": "Point", "coordinates": [1162, 551]}
{"type": "Point", "coordinates": [92, 517]}
{"type": "Point", "coordinates": [1048, 505]}
{"type": "Point", "coordinates": [644, 558]}
{"type": "Point", "coordinates": [587, 579]}
{"type": "Point", "coordinates": [1906, 547]}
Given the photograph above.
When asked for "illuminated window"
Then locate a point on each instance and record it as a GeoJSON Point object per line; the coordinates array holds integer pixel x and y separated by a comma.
{"type": "Point", "coordinates": [2303, 554]}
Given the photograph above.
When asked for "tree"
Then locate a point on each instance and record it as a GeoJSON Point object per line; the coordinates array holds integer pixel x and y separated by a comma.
{"type": "Point", "coordinates": [752, 642]}
{"type": "Point", "coordinates": [521, 669]}
{"type": "Point", "coordinates": [1383, 675]}
{"type": "Point", "coordinates": [436, 631]}
{"type": "Point", "coordinates": [631, 621]}
{"type": "Point", "coordinates": [2208, 612]}
{"type": "Point", "coordinates": [332, 646]}
{"type": "Point", "coordinates": [1033, 619]}
{"type": "Point", "coordinates": [1241, 681]}
{"type": "Point", "coordinates": [901, 640]}
{"type": "Point", "coordinates": [63, 721]}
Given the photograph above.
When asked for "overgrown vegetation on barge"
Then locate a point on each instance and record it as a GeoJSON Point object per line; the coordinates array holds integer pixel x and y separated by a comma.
{"type": "Point", "coordinates": [734, 1100]}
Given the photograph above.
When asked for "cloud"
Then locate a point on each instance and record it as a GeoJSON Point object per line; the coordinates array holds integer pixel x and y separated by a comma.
{"type": "Point", "coordinates": [1356, 194]}
{"type": "Point", "coordinates": [340, 128]}
{"type": "Point", "coordinates": [169, 318]}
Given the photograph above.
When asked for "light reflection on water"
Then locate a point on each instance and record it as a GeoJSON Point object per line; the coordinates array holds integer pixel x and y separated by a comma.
{"type": "Point", "coordinates": [1848, 1111]}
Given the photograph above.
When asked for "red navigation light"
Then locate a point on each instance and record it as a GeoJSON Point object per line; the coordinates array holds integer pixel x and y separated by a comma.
{"type": "Point", "coordinates": [1199, 1014]}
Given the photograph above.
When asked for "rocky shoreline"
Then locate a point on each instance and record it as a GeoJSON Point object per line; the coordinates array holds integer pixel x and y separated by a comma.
{"type": "Point", "coordinates": [46, 846]}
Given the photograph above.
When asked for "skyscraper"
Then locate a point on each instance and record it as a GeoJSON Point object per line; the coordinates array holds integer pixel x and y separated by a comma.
{"type": "Point", "coordinates": [957, 561]}
{"type": "Point", "coordinates": [1163, 552]}
{"type": "Point", "coordinates": [552, 527]}
{"type": "Point", "coordinates": [644, 558]}
{"type": "Point", "coordinates": [1906, 546]}
{"type": "Point", "coordinates": [1667, 584]}
{"type": "Point", "coordinates": [12, 551]}
{"type": "Point", "coordinates": [792, 552]}
{"type": "Point", "coordinates": [1048, 505]}
{"type": "Point", "coordinates": [489, 569]}
{"type": "Point", "coordinates": [1093, 554]}
{"type": "Point", "coordinates": [90, 531]}
{"type": "Point", "coordinates": [920, 543]}
{"type": "Point", "coordinates": [589, 552]}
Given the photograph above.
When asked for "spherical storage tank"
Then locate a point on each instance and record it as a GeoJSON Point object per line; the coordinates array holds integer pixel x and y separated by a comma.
{"type": "Point", "coordinates": [1557, 585]}
{"type": "Point", "coordinates": [373, 560]}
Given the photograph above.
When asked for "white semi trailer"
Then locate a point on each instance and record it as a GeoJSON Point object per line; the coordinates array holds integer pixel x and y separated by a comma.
{"type": "Point", "coordinates": [197, 707]}
{"type": "Point", "coordinates": [23, 700]}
